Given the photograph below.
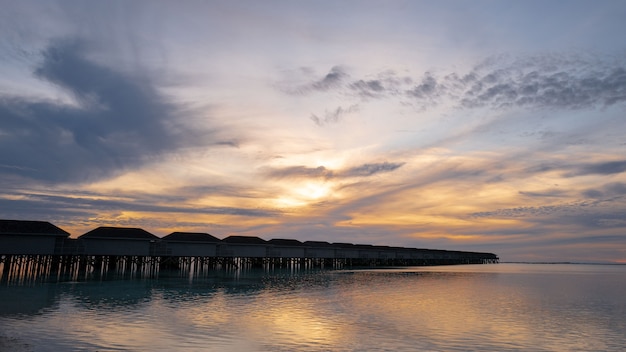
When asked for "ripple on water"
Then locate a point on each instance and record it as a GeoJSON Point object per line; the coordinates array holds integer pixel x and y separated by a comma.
{"type": "Point", "coordinates": [455, 309]}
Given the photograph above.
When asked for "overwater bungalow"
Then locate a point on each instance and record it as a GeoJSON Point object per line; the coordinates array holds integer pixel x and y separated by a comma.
{"type": "Point", "coordinates": [243, 246]}
{"type": "Point", "coordinates": [36, 247]}
{"type": "Point", "coordinates": [367, 251]}
{"type": "Point", "coordinates": [23, 237]}
{"type": "Point", "coordinates": [190, 244]}
{"type": "Point", "coordinates": [386, 252]}
{"type": "Point", "coordinates": [319, 249]}
{"type": "Point", "coordinates": [345, 250]}
{"type": "Point", "coordinates": [118, 241]}
{"type": "Point", "coordinates": [286, 248]}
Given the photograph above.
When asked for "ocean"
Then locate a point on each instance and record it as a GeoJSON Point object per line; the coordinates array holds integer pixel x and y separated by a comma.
{"type": "Point", "coordinates": [489, 307]}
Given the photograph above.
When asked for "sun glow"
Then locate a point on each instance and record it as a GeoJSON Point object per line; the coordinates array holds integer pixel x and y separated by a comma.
{"type": "Point", "coordinates": [313, 190]}
{"type": "Point", "coordinates": [301, 195]}
{"type": "Point", "coordinates": [289, 202]}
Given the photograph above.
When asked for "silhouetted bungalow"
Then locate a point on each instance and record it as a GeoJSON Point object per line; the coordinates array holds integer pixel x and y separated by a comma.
{"type": "Point", "coordinates": [286, 248]}
{"type": "Point", "coordinates": [118, 241]}
{"type": "Point", "coordinates": [420, 253]}
{"type": "Point", "coordinates": [345, 250]}
{"type": "Point", "coordinates": [403, 252]}
{"type": "Point", "coordinates": [386, 252]}
{"type": "Point", "coordinates": [367, 251]}
{"type": "Point", "coordinates": [243, 246]}
{"type": "Point", "coordinates": [319, 249]}
{"type": "Point", "coordinates": [190, 244]}
{"type": "Point", "coordinates": [30, 237]}
{"type": "Point", "coordinates": [439, 254]}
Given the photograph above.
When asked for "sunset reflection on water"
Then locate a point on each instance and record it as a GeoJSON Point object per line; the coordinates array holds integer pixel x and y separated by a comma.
{"type": "Point", "coordinates": [489, 307]}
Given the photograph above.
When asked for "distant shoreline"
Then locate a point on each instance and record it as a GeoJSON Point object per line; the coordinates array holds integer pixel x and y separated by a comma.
{"type": "Point", "coordinates": [573, 263]}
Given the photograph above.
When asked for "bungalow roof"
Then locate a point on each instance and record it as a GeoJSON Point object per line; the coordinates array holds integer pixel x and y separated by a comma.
{"type": "Point", "coordinates": [285, 242]}
{"type": "Point", "coordinates": [119, 233]}
{"type": "Point", "coordinates": [190, 237]}
{"type": "Point", "coordinates": [244, 240]}
{"type": "Point", "coordinates": [317, 244]}
{"type": "Point", "coordinates": [342, 245]}
{"type": "Point", "coordinates": [28, 227]}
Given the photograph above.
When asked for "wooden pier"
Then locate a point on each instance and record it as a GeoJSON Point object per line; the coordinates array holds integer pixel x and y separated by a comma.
{"type": "Point", "coordinates": [37, 250]}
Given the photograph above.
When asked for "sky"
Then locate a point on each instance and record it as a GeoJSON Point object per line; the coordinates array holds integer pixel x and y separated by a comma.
{"type": "Point", "coordinates": [491, 126]}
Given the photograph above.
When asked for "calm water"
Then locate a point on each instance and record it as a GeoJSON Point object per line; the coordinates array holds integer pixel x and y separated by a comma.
{"type": "Point", "coordinates": [497, 307]}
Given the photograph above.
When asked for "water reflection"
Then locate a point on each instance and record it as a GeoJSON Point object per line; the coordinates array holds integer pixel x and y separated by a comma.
{"type": "Point", "coordinates": [27, 300]}
{"type": "Point", "coordinates": [452, 308]}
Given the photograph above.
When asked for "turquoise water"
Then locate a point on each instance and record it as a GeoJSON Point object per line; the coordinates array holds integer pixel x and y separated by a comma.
{"type": "Point", "coordinates": [495, 307]}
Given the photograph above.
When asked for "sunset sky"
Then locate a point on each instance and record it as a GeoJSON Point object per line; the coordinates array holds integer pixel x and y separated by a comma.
{"type": "Point", "coordinates": [494, 126]}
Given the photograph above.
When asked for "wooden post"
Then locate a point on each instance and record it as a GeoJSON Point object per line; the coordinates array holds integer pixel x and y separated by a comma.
{"type": "Point", "coordinates": [8, 260]}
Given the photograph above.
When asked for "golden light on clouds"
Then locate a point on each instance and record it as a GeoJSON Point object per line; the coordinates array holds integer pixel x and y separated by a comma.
{"type": "Point", "coordinates": [313, 136]}
{"type": "Point", "coordinates": [313, 191]}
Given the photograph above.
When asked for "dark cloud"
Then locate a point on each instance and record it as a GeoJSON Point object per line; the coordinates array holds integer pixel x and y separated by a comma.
{"type": "Point", "coordinates": [582, 169]}
{"type": "Point", "coordinates": [606, 168]}
{"type": "Point", "coordinates": [544, 194]}
{"type": "Point", "coordinates": [333, 116]}
{"type": "Point", "coordinates": [615, 189]}
{"type": "Point", "coordinates": [364, 170]}
{"type": "Point", "coordinates": [335, 79]}
{"type": "Point", "coordinates": [300, 171]}
{"type": "Point", "coordinates": [368, 86]}
{"type": "Point", "coordinates": [560, 82]}
{"type": "Point", "coordinates": [429, 88]}
{"type": "Point", "coordinates": [332, 80]}
{"type": "Point", "coordinates": [533, 211]}
{"type": "Point", "coordinates": [605, 210]}
{"type": "Point", "coordinates": [34, 205]}
{"type": "Point", "coordinates": [368, 89]}
{"type": "Point", "coordinates": [610, 190]}
{"type": "Point", "coordinates": [539, 82]}
{"type": "Point", "coordinates": [593, 193]}
{"type": "Point", "coordinates": [386, 84]}
{"type": "Point", "coordinates": [590, 219]}
{"type": "Point", "coordinates": [589, 240]}
{"type": "Point", "coordinates": [371, 169]}
{"type": "Point", "coordinates": [120, 121]}
{"type": "Point", "coordinates": [32, 208]}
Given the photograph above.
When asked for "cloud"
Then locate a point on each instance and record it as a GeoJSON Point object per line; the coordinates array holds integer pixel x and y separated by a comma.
{"type": "Point", "coordinates": [592, 193]}
{"type": "Point", "coordinates": [333, 80]}
{"type": "Point", "coordinates": [368, 88]}
{"type": "Point", "coordinates": [364, 170]}
{"type": "Point", "coordinates": [581, 169]}
{"type": "Point", "coordinates": [119, 121]}
{"type": "Point", "coordinates": [386, 84]}
{"type": "Point", "coordinates": [605, 168]}
{"type": "Point", "coordinates": [546, 82]}
{"type": "Point", "coordinates": [592, 214]}
{"type": "Point", "coordinates": [371, 169]}
{"type": "Point", "coordinates": [615, 189]}
{"type": "Point", "coordinates": [299, 172]}
{"type": "Point", "coordinates": [557, 81]}
{"type": "Point", "coordinates": [333, 116]}
{"type": "Point", "coordinates": [538, 85]}
{"type": "Point", "coordinates": [429, 88]}
{"type": "Point", "coordinates": [87, 206]}
{"type": "Point", "coordinates": [531, 211]}
{"type": "Point", "coordinates": [544, 194]}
